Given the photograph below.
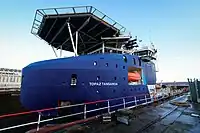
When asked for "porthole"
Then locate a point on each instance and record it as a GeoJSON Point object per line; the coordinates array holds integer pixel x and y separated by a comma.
{"type": "Point", "coordinates": [124, 58]}
{"type": "Point", "coordinates": [106, 64]}
{"type": "Point", "coordinates": [114, 90]}
{"type": "Point", "coordinates": [95, 63]}
{"type": "Point", "coordinates": [115, 78]}
{"type": "Point", "coordinates": [123, 67]}
{"type": "Point", "coordinates": [63, 83]}
{"type": "Point", "coordinates": [98, 77]}
{"type": "Point", "coordinates": [124, 78]}
{"type": "Point", "coordinates": [83, 83]}
{"type": "Point", "coordinates": [116, 65]}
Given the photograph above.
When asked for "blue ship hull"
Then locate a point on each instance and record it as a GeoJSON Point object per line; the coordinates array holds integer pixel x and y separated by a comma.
{"type": "Point", "coordinates": [99, 77]}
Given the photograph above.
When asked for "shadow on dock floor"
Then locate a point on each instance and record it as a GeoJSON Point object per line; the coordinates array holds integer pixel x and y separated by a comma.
{"type": "Point", "coordinates": [164, 118]}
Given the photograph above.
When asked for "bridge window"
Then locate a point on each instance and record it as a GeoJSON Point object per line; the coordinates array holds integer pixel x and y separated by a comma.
{"type": "Point", "coordinates": [134, 62]}
{"type": "Point", "coordinates": [98, 77]}
{"type": "Point", "coordinates": [116, 65]}
{"type": "Point", "coordinates": [106, 64]}
{"type": "Point", "coordinates": [139, 61]}
{"type": "Point", "coordinates": [123, 67]}
{"type": "Point", "coordinates": [115, 78]}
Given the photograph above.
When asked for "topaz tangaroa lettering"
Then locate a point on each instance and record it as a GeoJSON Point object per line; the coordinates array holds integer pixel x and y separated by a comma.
{"type": "Point", "coordinates": [102, 84]}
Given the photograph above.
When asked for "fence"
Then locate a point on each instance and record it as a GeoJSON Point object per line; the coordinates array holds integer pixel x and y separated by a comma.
{"type": "Point", "coordinates": [137, 100]}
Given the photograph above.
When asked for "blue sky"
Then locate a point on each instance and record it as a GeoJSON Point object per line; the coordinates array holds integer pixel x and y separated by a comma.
{"type": "Point", "coordinates": [173, 26]}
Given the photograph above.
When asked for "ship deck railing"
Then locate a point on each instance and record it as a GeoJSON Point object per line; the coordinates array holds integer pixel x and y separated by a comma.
{"type": "Point", "coordinates": [112, 50]}
{"type": "Point", "coordinates": [144, 99]}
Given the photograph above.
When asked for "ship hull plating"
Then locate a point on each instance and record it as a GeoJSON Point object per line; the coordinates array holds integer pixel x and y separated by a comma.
{"type": "Point", "coordinates": [83, 79]}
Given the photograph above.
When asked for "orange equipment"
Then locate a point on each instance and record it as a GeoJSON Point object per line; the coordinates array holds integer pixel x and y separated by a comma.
{"type": "Point", "coordinates": [134, 76]}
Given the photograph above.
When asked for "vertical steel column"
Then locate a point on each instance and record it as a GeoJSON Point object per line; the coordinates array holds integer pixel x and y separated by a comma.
{"type": "Point", "coordinates": [108, 106]}
{"type": "Point", "coordinates": [54, 51]}
{"type": "Point", "coordinates": [60, 50]}
{"type": "Point", "coordinates": [103, 48]}
{"type": "Point", "coordinates": [76, 42]}
{"type": "Point", "coordinates": [145, 98]}
{"type": "Point", "coordinates": [85, 111]}
{"type": "Point", "coordinates": [72, 40]}
{"type": "Point", "coordinates": [38, 125]}
{"type": "Point", "coordinates": [124, 103]}
{"type": "Point", "coordinates": [135, 100]}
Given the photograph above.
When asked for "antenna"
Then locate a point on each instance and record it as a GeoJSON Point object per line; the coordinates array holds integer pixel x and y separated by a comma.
{"type": "Point", "coordinates": [155, 50]}
{"type": "Point", "coordinates": [150, 37]}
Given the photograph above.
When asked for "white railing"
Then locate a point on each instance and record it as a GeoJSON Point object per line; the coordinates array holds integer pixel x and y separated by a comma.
{"type": "Point", "coordinates": [120, 50]}
{"type": "Point", "coordinates": [124, 103]}
{"type": "Point", "coordinates": [99, 50]}
{"type": "Point", "coordinates": [112, 50]}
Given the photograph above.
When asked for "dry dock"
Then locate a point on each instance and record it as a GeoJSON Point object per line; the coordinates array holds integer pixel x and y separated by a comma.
{"type": "Point", "coordinates": [164, 118]}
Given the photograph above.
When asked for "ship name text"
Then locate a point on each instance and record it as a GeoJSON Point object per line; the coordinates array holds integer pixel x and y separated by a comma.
{"type": "Point", "coordinates": [102, 84]}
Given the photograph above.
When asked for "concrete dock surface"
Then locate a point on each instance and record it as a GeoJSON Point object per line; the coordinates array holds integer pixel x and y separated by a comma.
{"type": "Point", "coordinates": [164, 118]}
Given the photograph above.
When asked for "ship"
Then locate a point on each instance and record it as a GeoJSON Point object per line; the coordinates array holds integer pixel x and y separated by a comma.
{"type": "Point", "coordinates": [108, 63]}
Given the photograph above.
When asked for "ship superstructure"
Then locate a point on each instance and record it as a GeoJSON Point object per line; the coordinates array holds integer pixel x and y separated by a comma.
{"type": "Point", "coordinates": [106, 63]}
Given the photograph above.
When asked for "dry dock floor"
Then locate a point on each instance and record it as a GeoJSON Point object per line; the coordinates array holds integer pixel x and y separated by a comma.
{"type": "Point", "coordinates": [164, 118]}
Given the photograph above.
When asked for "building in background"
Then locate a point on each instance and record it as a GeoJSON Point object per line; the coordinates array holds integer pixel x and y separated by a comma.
{"type": "Point", "coordinates": [10, 79]}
